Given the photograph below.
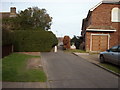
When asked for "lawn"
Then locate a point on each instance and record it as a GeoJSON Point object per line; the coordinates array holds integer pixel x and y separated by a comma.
{"type": "Point", "coordinates": [14, 69]}
{"type": "Point", "coordinates": [75, 50]}
{"type": "Point", "coordinates": [111, 67]}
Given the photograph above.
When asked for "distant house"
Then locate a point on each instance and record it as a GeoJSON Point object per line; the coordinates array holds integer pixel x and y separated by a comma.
{"type": "Point", "coordinates": [12, 13]}
{"type": "Point", "coordinates": [101, 27]}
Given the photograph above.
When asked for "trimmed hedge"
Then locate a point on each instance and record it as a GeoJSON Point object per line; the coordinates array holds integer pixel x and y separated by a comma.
{"type": "Point", "coordinates": [34, 40]}
{"type": "Point", "coordinates": [30, 40]}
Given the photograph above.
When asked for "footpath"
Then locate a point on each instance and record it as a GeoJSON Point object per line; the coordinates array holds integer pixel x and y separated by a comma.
{"type": "Point", "coordinates": [94, 59]}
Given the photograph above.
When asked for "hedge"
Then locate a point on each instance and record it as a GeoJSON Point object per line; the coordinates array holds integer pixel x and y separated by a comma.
{"type": "Point", "coordinates": [33, 40]}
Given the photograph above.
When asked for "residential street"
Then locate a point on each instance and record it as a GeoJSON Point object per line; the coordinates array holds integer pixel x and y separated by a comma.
{"type": "Point", "coordinates": [65, 70]}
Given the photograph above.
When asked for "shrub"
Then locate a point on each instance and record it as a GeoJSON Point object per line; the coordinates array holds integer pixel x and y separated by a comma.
{"type": "Point", "coordinates": [66, 42]}
{"type": "Point", "coordinates": [34, 40]}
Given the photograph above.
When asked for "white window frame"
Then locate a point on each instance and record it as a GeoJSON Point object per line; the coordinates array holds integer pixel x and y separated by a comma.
{"type": "Point", "coordinates": [115, 17]}
{"type": "Point", "coordinates": [99, 35]}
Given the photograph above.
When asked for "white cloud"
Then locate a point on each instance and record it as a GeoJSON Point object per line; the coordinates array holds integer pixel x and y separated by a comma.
{"type": "Point", "coordinates": [51, 1]}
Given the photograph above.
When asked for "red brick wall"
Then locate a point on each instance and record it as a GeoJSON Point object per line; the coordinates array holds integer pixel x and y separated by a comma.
{"type": "Point", "coordinates": [101, 16]}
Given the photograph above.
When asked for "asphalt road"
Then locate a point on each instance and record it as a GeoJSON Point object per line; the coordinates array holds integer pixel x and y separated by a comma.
{"type": "Point", "coordinates": [65, 70]}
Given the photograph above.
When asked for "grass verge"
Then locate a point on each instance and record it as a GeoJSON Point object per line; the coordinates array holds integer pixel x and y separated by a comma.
{"type": "Point", "coordinates": [111, 67]}
{"type": "Point", "coordinates": [75, 50]}
{"type": "Point", "coordinates": [14, 69]}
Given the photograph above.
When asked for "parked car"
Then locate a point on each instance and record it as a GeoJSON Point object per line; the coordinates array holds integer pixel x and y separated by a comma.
{"type": "Point", "coordinates": [111, 55]}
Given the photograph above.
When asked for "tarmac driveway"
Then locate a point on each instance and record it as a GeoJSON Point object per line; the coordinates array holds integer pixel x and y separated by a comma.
{"type": "Point", "coordinates": [65, 70]}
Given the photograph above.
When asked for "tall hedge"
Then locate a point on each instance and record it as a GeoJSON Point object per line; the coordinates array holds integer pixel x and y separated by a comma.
{"type": "Point", "coordinates": [33, 40]}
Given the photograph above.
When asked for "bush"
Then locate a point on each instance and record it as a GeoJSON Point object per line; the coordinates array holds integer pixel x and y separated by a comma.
{"type": "Point", "coordinates": [77, 41]}
{"type": "Point", "coordinates": [33, 40]}
{"type": "Point", "coordinates": [66, 42]}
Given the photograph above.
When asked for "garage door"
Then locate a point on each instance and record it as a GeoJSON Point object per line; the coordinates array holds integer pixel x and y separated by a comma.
{"type": "Point", "coordinates": [99, 42]}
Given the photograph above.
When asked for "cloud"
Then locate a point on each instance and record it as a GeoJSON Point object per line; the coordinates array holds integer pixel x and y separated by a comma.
{"type": "Point", "coordinates": [52, 1]}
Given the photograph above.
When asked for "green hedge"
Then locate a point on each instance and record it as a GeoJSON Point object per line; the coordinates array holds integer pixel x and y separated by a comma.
{"type": "Point", "coordinates": [34, 40]}
{"type": "Point", "coordinates": [30, 40]}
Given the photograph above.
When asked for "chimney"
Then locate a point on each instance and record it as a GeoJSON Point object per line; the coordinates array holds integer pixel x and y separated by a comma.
{"type": "Point", "coordinates": [13, 10]}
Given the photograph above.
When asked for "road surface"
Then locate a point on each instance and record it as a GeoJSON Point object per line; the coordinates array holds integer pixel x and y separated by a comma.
{"type": "Point", "coordinates": [65, 70]}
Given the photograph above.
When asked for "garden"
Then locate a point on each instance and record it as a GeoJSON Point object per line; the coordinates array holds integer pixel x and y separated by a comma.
{"type": "Point", "coordinates": [24, 34]}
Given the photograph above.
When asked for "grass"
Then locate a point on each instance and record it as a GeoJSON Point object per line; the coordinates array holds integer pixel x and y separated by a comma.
{"type": "Point", "coordinates": [111, 67]}
{"type": "Point", "coordinates": [75, 50]}
{"type": "Point", "coordinates": [14, 69]}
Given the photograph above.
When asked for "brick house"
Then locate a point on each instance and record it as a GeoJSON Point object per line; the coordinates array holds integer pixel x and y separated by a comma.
{"type": "Point", "coordinates": [7, 49]}
{"type": "Point", "coordinates": [101, 27]}
{"type": "Point", "coordinates": [12, 13]}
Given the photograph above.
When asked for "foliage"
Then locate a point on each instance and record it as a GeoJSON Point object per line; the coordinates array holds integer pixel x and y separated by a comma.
{"type": "Point", "coordinates": [76, 50]}
{"type": "Point", "coordinates": [29, 40]}
{"type": "Point", "coordinates": [66, 42]}
{"type": "Point", "coordinates": [34, 40]}
{"type": "Point", "coordinates": [112, 67]}
{"type": "Point", "coordinates": [77, 40]}
{"type": "Point", "coordinates": [30, 18]}
{"type": "Point", "coordinates": [14, 68]}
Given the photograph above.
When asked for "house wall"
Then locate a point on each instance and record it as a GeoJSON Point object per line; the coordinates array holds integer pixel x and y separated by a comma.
{"type": "Point", "coordinates": [101, 16]}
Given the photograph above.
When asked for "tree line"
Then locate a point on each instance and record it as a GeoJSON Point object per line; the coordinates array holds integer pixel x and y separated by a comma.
{"type": "Point", "coordinates": [30, 18]}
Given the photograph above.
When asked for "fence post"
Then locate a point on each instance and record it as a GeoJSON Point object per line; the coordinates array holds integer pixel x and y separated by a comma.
{"type": "Point", "coordinates": [55, 50]}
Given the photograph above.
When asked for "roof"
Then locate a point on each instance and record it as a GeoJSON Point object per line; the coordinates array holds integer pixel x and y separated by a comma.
{"type": "Point", "coordinates": [111, 1]}
{"type": "Point", "coordinates": [106, 2]}
{"type": "Point", "coordinates": [4, 14]}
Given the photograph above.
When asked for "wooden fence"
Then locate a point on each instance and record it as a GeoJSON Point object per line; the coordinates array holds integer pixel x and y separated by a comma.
{"type": "Point", "coordinates": [6, 50]}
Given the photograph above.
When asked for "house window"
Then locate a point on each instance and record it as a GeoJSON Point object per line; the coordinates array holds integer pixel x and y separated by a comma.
{"type": "Point", "coordinates": [115, 15]}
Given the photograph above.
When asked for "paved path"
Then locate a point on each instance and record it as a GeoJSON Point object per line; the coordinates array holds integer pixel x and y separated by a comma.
{"type": "Point", "coordinates": [23, 85]}
{"type": "Point", "coordinates": [94, 58]}
{"type": "Point", "coordinates": [66, 70]}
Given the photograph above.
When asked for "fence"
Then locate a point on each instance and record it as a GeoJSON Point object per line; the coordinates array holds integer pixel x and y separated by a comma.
{"type": "Point", "coordinates": [6, 50]}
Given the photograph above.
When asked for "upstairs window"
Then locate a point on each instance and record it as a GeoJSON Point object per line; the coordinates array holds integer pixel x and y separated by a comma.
{"type": "Point", "coordinates": [115, 15]}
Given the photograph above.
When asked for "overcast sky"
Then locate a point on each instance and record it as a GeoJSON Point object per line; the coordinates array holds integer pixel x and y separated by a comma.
{"type": "Point", "coordinates": [67, 14]}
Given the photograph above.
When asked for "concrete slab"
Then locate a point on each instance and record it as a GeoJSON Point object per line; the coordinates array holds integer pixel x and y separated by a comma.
{"type": "Point", "coordinates": [24, 85]}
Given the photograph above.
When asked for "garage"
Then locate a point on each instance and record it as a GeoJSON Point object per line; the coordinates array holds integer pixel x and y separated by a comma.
{"type": "Point", "coordinates": [99, 42]}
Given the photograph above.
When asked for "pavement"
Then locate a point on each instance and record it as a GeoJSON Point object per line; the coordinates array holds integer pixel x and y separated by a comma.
{"type": "Point", "coordinates": [65, 70]}
{"type": "Point", "coordinates": [94, 59]}
{"type": "Point", "coordinates": [23, 85]}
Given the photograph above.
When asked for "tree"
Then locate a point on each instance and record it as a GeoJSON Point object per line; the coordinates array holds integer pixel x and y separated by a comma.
{"type": "Point", "coordinates": [31, 18]}
{"type": "Point", "coordinates": [77, 40]}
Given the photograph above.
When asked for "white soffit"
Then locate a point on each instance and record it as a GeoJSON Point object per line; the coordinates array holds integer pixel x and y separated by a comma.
{"type": "Point", "coordinates": [101, 30]}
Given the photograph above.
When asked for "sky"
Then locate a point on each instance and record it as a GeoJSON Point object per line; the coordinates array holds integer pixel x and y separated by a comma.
{"type": "Point", "coordinates": [67, 14]}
